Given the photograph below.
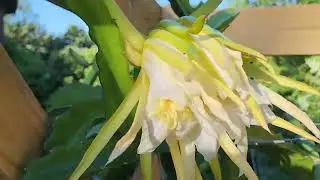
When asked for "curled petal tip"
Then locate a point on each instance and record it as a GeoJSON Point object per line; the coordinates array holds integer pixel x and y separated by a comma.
{"type": "Point", "coordinates": [198, 24]}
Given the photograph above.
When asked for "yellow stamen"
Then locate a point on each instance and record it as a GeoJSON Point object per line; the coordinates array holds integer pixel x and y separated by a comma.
{"type": "Point", "coordinates": [167, 111]}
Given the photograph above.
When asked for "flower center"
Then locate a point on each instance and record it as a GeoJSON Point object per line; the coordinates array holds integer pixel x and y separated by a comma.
{"type": "Point", "coordinates": [167, 111]}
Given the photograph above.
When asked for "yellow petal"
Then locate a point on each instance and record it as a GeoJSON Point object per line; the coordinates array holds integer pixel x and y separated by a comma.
{"type": "Point", "coordinates": [241, 48]}
{"type": "Point", "coordinates": [235, 155]}
{"type": "Point", "coordinates": [197, 25]}
{"type": "Point", "coordinates": [293, 110]}
{"type": "Point", "coordinates": [257, 113]}
{"type": "Point", "coordinates": [133, 55]}
{"type": "Point", "coordinates": [108, 130]}
{"type": "Point", "coordinates": [174, 27]}
{"type": "Point", "coordinates": [216, 169]}
{"type": "Point", "coordinates": [284, 81]}
{"type": "Point", "coordinates": [263, 75]}
{"type": "Point", "coordinates": [290, 127]}
{"type": "Point", "coordinates": [203, 77]}
{"type": "Point", "coordinates": [176, 158]}
{"type": "Point", "coordinates": [169, 54]}
{"type": "Point", "coordinates": [129, 137]}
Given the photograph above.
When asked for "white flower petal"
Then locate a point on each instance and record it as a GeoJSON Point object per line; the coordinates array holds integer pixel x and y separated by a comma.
{"type": "Point", "coordinates": [186, 129]}
{"type": "Point", "coordinates": [221, 114]}
{"type": "Point", "coordinates": [242, 87]}
{"type": "Point", "coordinates": [163, 84]}
{"type": "Point", "coordinates": [202, 116]}
{"type": "Point", "coordinates": [216, 58]}
{"type": "Point", "coordinates": [154, 132]}
{"type": "Point", "coordinates": [259, 93]}
{"type": "Point", "coordinates": [207, 145]}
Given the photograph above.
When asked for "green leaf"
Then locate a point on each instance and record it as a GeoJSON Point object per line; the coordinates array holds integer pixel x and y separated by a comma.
{"type": "Point", "coordinates": [222, 19]}
{"type": "Point", "coordinates": [206, 8]}
{"type": "Point", "coordinates": [73, 94]}
{"type": "Point", "coordinates": [184, 8]}
{"type": "Point", "coordinates": [78, 59]}
{"type": "Point", "coordinates": [72, 126]}
{"type": "Point", "coordinates": [58, 164]}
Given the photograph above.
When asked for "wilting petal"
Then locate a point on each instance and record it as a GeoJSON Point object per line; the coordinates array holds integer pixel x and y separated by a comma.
{"type": "Point", "coordinates": [242, 87]}
{"type": "Point", "coordinates": [154, 132]}
{"type": "Point", "coordinates": [129, 137]}
{"type": "Point", "coordinates": [257, 113]}
{"type": "Point", "coordinates": [221, 114]}
{"type": "Point", "coordinates": [236, 114]}
{"type": "Point", "coordinates": [235, 155]}
{"type": "Point", "coordinates": [293, 110]}
{"type": "Point", "coordinates": [207, 145]}
{"type": "Point", "coordinates": [259, 94]}
{"type": "Point", "coordinates": [202, 116]}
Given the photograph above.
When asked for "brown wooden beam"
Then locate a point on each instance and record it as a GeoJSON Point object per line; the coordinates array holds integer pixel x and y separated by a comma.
{"type": "Point", "coordinates": [290, 30]}
{"type": "Point", "coordinates": [22, 120]}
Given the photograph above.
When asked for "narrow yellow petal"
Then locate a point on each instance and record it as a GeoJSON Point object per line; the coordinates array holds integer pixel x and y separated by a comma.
{"type": "Point", "coordinates": [284, 81]}
{"type": "Point", "coordinates": [257, 113]}
{"type": "Point", "coordinates": [265, 76]}
{"type": "Point", "coordinates": [170, 55]}
{"type": "Point", "coordinates": [235, 155]}
{"type": "Point", "coordinates": [204, 78]}
{"type": "Point", "coordinates": [176, 158]}
{"type": "Point", "coordinates": [290, 127]}
{"type": "Point", "coordinates": [216, 169]}
{"type": "Point", "coordinates": [241, 48]}
{"type": "Point", "coordinates": [197, 25]}
{"type": "Point", "coordinates": [108, 130]}
{"type": "Point", "coordinates": [129, 137]}
{"type": "Point", "coordinates": [146, 166]}
{"type": "Point", "coordinates": [174, 27]}
{"type": "Point", "coordinates": [292, 110]}
{"type": "Point", "coordinates": [133, 55]}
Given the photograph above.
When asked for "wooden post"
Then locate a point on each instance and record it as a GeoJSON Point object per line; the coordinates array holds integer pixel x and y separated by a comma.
{"type": "Point", "coordinates": [22, 120]}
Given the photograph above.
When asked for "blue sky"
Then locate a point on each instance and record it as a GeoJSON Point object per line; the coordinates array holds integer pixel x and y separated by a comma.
{"type": "Point", "coordinates": [56, 20]}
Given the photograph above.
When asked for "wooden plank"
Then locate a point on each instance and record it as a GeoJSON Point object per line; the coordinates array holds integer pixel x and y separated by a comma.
{"type": "Point", "coordinates": [22, 120]}
{"type": "Point", "coordinates": [291, 30]}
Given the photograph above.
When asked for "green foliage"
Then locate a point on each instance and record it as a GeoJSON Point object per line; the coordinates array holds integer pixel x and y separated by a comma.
{"type": "Point", "coordinates": [47, 62]}
{"type": "Point", "coordinates": [222, 19]}
{"type": "Point", "coordinates": [77, 110]}
{"type": "Point", "coordinates": [184, 8]}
